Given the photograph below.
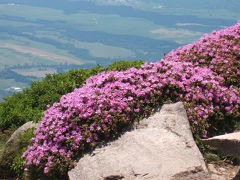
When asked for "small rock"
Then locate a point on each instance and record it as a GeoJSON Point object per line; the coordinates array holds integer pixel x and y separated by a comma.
{"type": "Point", "coordinates": [222, 169]}
{"type": "Point", "coordinates": [217, 177]}
{"type": "Point", "coordinates": [212, 168]}
{"type": "Point", "coordinates": [228, 144]}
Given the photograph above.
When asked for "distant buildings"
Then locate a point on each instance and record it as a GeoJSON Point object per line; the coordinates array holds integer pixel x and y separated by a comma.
{"type": "Point", "coordinates": [14, 89]}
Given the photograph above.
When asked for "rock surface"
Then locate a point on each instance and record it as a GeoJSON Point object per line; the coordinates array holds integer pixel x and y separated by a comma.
{"type": "Point", "coordinates": [237, 177]}
{"type": "Point", "coordinates": [228, 144]}
{"type": "Point", "coordinates": [159, 147]}
{"type": "Point", "coordinates": [11, 147]}
{"type": "Point", "coordinates": [223, 171]}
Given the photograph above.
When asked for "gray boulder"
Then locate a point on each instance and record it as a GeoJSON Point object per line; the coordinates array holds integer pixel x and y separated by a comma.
{"type": "Point", "coordinates": [228, 144]}
{"type": "Point", "coordinates": [159, 147]}
{"type": "Point", "coordinates": [11, 148]}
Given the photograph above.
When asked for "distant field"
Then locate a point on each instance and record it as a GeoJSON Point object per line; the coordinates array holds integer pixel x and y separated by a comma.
{"type": "Point", "coordinates": [6, 83]}
{"type": "Point", "coordinates": [95, 49]}
{"type": "Point", "coordinates": [39, 53]}
{"type": "Point", "coordinates": [20, 50]}
{"type": "Point", "coordinates": [35, 72]}
{"type": "Point", "coordinates": [41, 33]}
{"type": "Point", "coordinates": [108, 23]}
{"type": "Point", "coordinates": [222, 9]}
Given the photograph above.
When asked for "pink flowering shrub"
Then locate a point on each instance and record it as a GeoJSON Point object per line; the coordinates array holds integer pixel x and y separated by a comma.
{"type": "Point", "coordinates": [219, 51]}
{"type": "Point", "coordinates": [110, 101]}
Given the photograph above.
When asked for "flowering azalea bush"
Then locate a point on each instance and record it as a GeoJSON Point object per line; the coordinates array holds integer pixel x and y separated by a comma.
{"type": "Point", "coordinates": [110, 101]}
{"type": "Point", "coordinates": [219, 51]}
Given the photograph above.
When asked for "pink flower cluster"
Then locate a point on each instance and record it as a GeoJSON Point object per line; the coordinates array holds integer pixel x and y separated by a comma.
{"type": "Point", "coordinates": [111, 100]}
{"type": "Point", "coordinates": [219, 51]}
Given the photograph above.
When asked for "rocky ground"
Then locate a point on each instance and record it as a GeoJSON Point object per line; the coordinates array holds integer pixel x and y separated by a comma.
{"type": "Point", "coordinates": [223, 171]}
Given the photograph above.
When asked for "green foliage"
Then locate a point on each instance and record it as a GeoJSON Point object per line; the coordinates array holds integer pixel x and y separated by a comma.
{"type": "Point", "coordinates": [25, 141]}
{"type": "Point", "coordinates": [30, 104]}
{"type": "Point", "coordinates": [123, 65]}
{"type": "Point", "coordinates": [237, 125]}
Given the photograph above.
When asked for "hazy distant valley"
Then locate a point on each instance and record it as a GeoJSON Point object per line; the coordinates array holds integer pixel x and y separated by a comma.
{"type": "Point", "coordinates": [40, 37]}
